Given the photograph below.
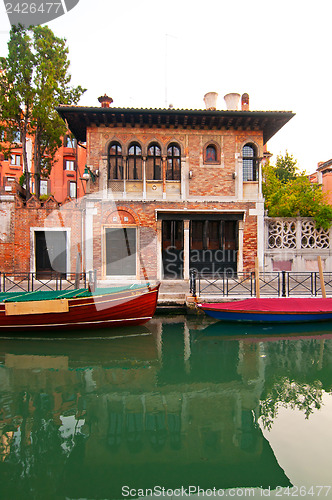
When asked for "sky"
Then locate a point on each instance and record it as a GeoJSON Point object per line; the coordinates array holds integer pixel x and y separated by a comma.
{"type": "Point", "coordinates": [152, 53]}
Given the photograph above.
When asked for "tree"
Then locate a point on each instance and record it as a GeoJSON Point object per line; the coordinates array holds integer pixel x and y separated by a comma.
{"type": "Point", "coordinates": [290, 194]}
{"type": "Point", "coordinates": [286, 167]}
{"type": "Point", "coordinates": [34, 80]}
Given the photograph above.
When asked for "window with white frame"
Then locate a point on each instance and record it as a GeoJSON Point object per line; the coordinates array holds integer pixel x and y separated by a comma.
{"type": "Point", "coordinates": [72, 189]}
{"type": "Point", "coordinates": [17, 136]}
{"type": "Point", "coordinates": [69, 142]}
{"type": "Point", "coordinates": [69, 165]}
{"type": "Point", "coordinates": [43, 187]}
{"type": "Point", "coordinates": [15, 160]}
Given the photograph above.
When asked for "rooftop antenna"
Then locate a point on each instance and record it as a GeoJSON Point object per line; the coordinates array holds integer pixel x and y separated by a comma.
{"type": "Point", "coordinates": [166, 65]}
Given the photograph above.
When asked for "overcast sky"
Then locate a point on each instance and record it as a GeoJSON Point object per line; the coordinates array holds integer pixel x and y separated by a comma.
{"type": "Point", "coordinates": [150, 53]}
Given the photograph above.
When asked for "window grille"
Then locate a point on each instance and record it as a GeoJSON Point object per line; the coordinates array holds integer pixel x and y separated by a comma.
{"type": "Point", "coordinates": [250, 163]}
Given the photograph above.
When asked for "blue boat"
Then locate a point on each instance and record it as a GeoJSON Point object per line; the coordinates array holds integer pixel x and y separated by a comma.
{"type": "Point", "coordinates": [271, 310]}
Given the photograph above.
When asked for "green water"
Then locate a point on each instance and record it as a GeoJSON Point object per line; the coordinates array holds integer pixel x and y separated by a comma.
{"type": "Point", "coordinates": [178, 406]}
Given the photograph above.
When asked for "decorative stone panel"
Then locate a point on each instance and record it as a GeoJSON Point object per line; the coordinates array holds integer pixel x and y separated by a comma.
{"type": "Point", "coordinates": [281, 234]}
{"type": "Point", "coordinates": [311, 237]}
{"type": "Point", "coordinates": [294, 244]}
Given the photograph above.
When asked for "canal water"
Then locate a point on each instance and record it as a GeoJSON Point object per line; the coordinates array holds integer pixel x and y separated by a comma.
{"type": "Point", "coordinates": [178, 406]}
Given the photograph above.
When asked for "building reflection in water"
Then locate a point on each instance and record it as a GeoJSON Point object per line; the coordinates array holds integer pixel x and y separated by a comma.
{"type": "Point", "coordinates": [174, 405]}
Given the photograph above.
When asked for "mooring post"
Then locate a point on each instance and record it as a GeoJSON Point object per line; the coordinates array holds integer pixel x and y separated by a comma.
{"type": "Point", "coordinates": [193, 282]}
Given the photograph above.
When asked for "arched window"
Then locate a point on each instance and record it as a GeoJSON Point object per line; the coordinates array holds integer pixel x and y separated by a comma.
{"type": "Point", "coordinates": [173, 171]}
{"type": "Point", "coordinates": [250, 163]}
{"type": "Point", "coordinates": [211, 154]}
{"type": "Point", "coordinates": [153, 166]}
{"type": "Point", "coordinates": [115, 162]}
{"type": "Point", "coordinates": [134, 162]}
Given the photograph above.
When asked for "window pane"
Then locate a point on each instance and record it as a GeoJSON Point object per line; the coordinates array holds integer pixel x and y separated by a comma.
{"type": "Point", "coordinates": [69, 142]}
{"type": "Point", "coordinates": [43, 187]}
{"type": "Point", "coordinates": [153, 164]}
{"type": "Point", "coordinates": [173, 171]}
{"type": "Point", "coordinates": [16, 160]}
{"type": "Point", "coordinates": [248, 151]}
{"type": "Point", "coordinates": [154, 151]}
{"type": "Point", "coordinates": [115, 149]}
{"type": "Point", "coordinates": [115, 164]}
{"type": "Point", "coordinates": [250, 163]}
{"type": "Point", "coordinates": [72, 189]}
{"type": "Point", "coordinates": [70, 165]}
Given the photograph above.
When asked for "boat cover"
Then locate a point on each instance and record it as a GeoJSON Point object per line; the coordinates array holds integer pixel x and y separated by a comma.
{"type": "Point", "coordinates": [282, 305]}
{"type": "Point", "coordinates": [39, 295]}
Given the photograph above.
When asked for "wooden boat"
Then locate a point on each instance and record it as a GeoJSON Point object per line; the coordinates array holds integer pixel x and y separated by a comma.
{"type": "Point", "coordinates": [77, 309]}
{"type": "Point", "coordinates": [272, 310]}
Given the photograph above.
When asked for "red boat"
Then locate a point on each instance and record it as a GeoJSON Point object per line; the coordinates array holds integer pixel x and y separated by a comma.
{"type": "Point", "coordinates": [77, 309]}
{"type": "Point", "coordinates": [272, 310]}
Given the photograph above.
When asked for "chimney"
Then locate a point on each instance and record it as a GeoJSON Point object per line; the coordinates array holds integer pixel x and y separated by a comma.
{"type": "Point", "coordinates": [232, 101]}
{"type": "Point", "coordinates": [105, 101]}
{"type": "Point", "coordinates": [210, 100]}
{"type": "Point", "coordinates": [245, 102]}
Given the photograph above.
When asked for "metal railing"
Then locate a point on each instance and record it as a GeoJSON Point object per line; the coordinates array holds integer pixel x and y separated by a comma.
{"type": "Point", "coordinates": [272, 284]}
{"type": "Point", "coordinates": [32, 282]}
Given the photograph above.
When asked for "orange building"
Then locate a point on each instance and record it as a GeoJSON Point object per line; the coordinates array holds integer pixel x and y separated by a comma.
{"type": "Point", "coordinates": [323, 176]}
{"type": "Point", "coordinates": [66, 177]}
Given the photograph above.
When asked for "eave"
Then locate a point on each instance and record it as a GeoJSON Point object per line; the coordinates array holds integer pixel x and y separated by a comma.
{"type": "Point", "coordinates": [79, 119]}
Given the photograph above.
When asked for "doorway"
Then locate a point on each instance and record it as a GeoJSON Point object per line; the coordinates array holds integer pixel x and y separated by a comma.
{"type": "Point", "coordinates": [172, 249]}
{"type": "Point", "coordinates": [213, 246]}
{"type": "Point", "coordinates": [50, 253]}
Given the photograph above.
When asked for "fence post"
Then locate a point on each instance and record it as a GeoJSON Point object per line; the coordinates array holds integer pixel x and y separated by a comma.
{"type": "Point", "coordinates": [283, 284]}
{"type": "Point", "coordinates": [252, 281]}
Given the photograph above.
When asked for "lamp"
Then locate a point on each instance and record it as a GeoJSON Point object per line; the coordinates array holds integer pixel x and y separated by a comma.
{"type": "Point", "coordinates": [88, 174]}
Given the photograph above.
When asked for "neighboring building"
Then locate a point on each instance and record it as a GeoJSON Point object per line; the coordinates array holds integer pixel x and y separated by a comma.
{"type": "Point", "coordinates": [173, 189]}
{"type": "Point", "coordinates": [65, 179]}
{"type": "Point", "coordinates": [323, 176]}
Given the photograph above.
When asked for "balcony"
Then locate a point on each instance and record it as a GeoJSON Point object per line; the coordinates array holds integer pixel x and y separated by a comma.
{"type": "Point", "coordinates": [145, 190]}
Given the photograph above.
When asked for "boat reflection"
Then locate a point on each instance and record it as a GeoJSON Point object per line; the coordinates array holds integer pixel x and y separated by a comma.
{"type": "Point", "coordinates": [267, 332]}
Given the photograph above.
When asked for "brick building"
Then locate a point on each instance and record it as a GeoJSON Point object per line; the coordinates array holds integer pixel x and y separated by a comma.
{"type": "Point", "coordinates": [168, 190]}
{"type": "Point", "coordinates": [173, 189]}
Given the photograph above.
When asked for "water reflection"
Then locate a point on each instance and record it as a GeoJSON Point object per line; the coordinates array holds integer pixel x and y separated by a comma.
{"type": "Point", "coordinates": [174, 404]}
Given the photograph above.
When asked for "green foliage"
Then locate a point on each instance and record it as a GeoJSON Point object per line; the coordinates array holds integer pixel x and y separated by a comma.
{"type": "Point", "coordinates": [288, 393]}
{"type": "Point", "coordinates": [33, 82]}
{"type": "Point", "coordinates": [286, 167]}
{"type": "Point", "coordinates": [44, 197]}
{"type": "Point", "coordinates": [293, 195]}
{"type": "Point", "coordinates": [22, 180]}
